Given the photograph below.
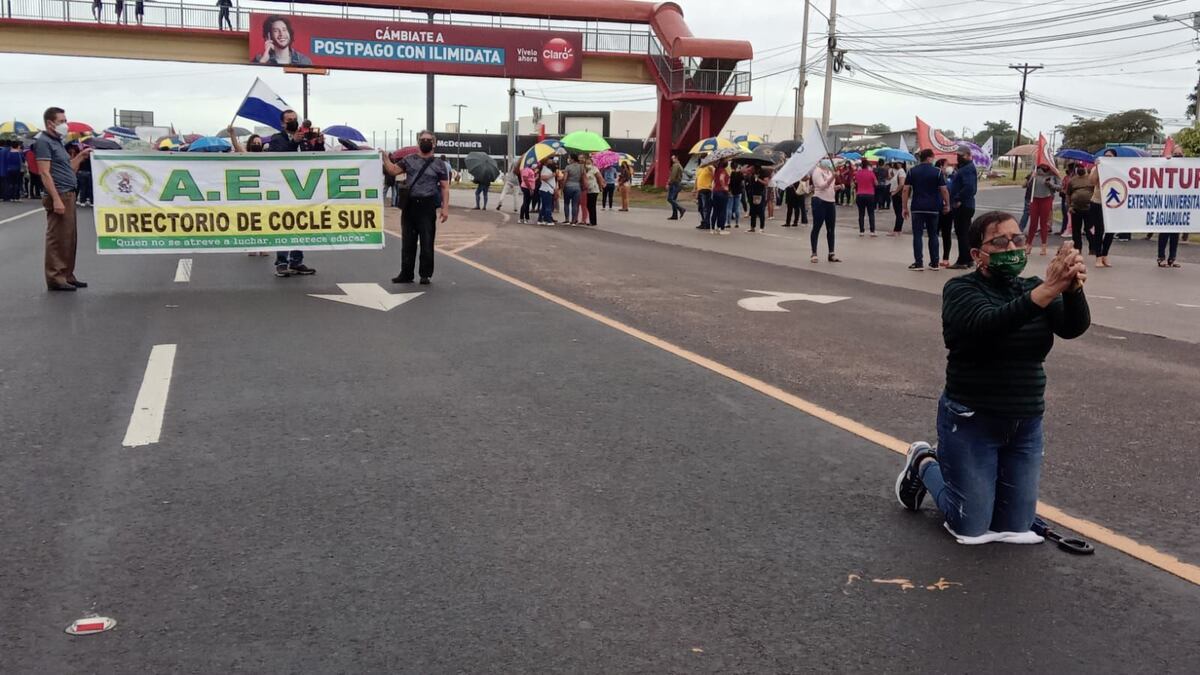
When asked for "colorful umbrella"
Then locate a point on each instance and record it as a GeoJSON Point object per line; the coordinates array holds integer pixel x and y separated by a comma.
{"type": "Point", "coordinates": [237, 131]}
{"type": "Point", "coordinates": [400, 154]}
{"type": "Point", "coordinates": [343, 131]}
{"type": "Point", "coordinates": [210, 144]}
{"type": "Point", "coordinates": [850, 155]}
{"type": "Point", "coordinates": [722, 153]}
{"type": "Point", "coordinates": [764, 155]}
{"type": "Point", "coordinates": [120, 132]}
{"type": "Point", "coordinates": [169, 143]}
{"type": "Point", "coordinates": [102, 144]}
{"type": "Point", "coordinates": [892, 155]}
{"type": "Point", "coordinates": [1076, 155]}
{"type": "Point", "coordinates": [18, 128]}
{"type": "Point", "coordinates": [749, 141]}
{"type": "Point", "coordinates": [627, 158]}
{"type": "Point", "coordinates": [711, 144]}
{"type": "Point", "coordinates": [538, 153]}
{"type": "Point", "coordinates": [79, 128]}
{"type": "Point", "coordinates": [603, 160]}
{"type": "Point", "coordinates": [585, 141]}
{"type": "Point", "coordinates": [788, 147]}
{"type": "Point", "coordinates": [1123, 151]}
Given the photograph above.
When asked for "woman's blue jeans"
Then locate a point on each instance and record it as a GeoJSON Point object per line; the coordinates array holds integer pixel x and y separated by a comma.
{"type": "Point", "coordinates": [571, 204]}
{"type": "Point", "coordinates": [546, 214]}
{"type": "Point", "coordinates": [987, 470]}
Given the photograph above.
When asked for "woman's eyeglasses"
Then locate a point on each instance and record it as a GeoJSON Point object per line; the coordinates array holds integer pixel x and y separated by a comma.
{"type": "Point", "coordinates": [1004, 240]}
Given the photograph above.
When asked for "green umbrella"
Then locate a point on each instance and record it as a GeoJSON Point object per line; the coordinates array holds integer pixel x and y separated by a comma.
{"type": "Point", "coordinates": [585, 141]}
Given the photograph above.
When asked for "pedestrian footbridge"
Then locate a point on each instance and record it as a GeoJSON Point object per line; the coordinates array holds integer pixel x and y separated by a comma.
{"type": "Point", "coordinates": [699, 81]}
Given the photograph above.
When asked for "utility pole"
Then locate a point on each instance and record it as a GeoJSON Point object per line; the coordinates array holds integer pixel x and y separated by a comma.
{"type": "Point", "coordinates": [429, 95]}
{"type": "Point", "coordinates": [512, 122]}
{"type": "Point", "coordinates": [830, 48]}
{"type": "Point", "coordinates": [458, 129]}
{"type": "Point", "coordinates": [1025, 70]}
{"type": "Point", "coordinates": [798, 125]}
{"type": "Point", "coordinates": [400, 135]}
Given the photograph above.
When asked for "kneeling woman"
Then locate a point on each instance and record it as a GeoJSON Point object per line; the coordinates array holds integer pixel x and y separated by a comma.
{"type": "Point", "coordinates": [999, 327]}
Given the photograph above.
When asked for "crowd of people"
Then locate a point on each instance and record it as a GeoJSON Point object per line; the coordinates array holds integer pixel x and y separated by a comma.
{"type": "Point", "coordinates": [934, 196]}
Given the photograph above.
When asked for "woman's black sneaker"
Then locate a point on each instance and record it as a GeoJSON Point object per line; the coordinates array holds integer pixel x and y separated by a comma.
{"type": "Point", "coordinates": [910, 491]}
{"type": "Point", "coordinates": [916, 267]}
{"type": "Point", "coordinates": [301, 269]}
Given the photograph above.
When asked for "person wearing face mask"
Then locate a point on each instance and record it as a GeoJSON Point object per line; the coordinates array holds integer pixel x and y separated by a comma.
{"type": "Point", "coordinates": [1079, 193]}
{"type": "Point", "coordinates": [925, 197]}
{"type": "Point", "coordinates": [999, 328]}
{"type": "Point", "coordinates": [1101, 242]}
{"type": "Point", "coordinates": [547, 188]}
{"type": "Point", "coordinates": [292, 139]}
{"type": "Point", "coordinates": [720, 196]}
{"type": "Point", "coordinates": [254, 143]}
{"type": "Point", "coordinates": [824, 208]}
{"type": "Point", "coordinates": [964, 184]}
{"type": "Point", "coordinates": [427, 181]}
{"type": "Point", "coordinates": [1045, 185]}
{"type": "Point", "coordinates": [58, 172]}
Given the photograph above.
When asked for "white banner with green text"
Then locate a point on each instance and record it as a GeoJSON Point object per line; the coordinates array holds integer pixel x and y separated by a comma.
{"type": "Point", "coordinates": [164, 202]}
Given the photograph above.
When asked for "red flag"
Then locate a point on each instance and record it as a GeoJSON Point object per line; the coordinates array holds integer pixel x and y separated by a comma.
{"type": "Point", "coordinates": [929, 138]}
{"type": "Point", "coordinates": [1042, 155]}
{"type": "Point", "coordinates": [1169, 148]}
{"type": "Point", "coordinates": [541, 132]}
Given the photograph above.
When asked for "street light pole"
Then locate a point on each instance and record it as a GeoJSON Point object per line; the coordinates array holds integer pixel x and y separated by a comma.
{"type": "Point", "coordinates": [458, 129]}
{"type": "Point", "coordinates": [400, 138]}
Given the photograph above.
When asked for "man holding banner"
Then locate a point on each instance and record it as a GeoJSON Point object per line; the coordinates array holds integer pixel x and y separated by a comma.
{"type": "Point", "coordinates": [291, 139]}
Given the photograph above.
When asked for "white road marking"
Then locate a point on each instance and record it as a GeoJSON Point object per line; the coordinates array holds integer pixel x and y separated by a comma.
{"type": "Point", "coordinates": [371, 296]}
{"type": "Point", "coordinates": [770, 303]}
{"type": "Point", "coordinates": [183, 271]}
{"type": "Point", "coordinates": [145, 425]}
{"type": "Point", "coordinates": [1180, 304]}
{"type": "Point", "coordinates": [1103, 297]}
{"type": "Point", "coordinates": [20, 216]}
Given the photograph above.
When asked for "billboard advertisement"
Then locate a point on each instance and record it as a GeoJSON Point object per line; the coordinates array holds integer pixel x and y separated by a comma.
{"type": "Point", "coordinates": [282, 40]}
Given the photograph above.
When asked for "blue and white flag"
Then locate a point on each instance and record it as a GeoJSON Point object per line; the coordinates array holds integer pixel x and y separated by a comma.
{"type": "Point", "coordinates": [263, 106]}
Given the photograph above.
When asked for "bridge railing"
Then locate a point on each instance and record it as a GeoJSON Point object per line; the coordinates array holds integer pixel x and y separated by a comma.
{"type": "Point", "coordinates": [598, 37]}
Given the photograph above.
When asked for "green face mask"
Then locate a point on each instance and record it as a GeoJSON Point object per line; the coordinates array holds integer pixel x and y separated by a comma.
{"type": "Point", "coordinates": [1007, 264]}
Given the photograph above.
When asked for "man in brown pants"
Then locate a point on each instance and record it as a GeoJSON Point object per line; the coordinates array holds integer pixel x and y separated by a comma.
{"type": "Point", "coordinates": [58, 177]}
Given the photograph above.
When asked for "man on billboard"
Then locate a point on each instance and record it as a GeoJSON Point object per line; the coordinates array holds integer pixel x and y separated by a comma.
{"type": "Point", "coordinates": [278, 37]}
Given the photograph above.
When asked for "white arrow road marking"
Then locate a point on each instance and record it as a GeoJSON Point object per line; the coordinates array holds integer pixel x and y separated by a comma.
{"type": "Point", "coordinates": [770, 303]}
{"type": "Point", "coordinates": [145, 425]}
{"type": "Point", "coordinates": [371, 296]}
{"type": "Point", "coordinates": [183, 271]}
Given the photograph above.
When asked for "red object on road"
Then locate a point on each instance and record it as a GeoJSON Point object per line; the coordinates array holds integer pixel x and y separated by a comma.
{"type": "Point", "coordinates": [91, 625]}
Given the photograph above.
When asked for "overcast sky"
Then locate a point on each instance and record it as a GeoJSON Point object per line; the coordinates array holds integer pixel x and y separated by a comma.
{"type": "Point", "coordinates": [888, 44]}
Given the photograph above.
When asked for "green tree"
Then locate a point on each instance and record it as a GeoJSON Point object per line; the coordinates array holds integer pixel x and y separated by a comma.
{"type": "Point", "coordinates": [1189, 140]}
{"type": "Point", "coordinates": [1191, 109]}
{"type": "Point", "coordinates": [1001, 134]}
{"type": "Point", "coordinates": [1131, 126]}
{"type": "Point", "coordinates": [880, 128]}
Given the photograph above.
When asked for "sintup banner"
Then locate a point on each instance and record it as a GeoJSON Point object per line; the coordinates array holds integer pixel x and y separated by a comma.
{"type": "Point", "coordinates": [1150, 194]}
{"type": "Point", "coordinates": [163, 202]}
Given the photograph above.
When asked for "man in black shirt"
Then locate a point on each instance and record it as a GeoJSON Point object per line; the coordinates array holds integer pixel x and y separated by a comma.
{"type": "Point", "coordinates": [291, 139]}
{"type": "Point", "coordinates": [427, 180]}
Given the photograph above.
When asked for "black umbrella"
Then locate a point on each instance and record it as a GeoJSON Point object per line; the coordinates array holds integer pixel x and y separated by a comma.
{"type": "Point", "coordinates": [788, 147]}
{"type": "Point", "coordinates": [763, 155]}
{"type": "Point", "coordinates": [102, 144]}
{"type": "Point", "coordinates": [482, 167]}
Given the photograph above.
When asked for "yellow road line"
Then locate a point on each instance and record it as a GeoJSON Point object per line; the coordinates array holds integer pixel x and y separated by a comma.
{"type": "Point", "coordinates": [1083, 526]}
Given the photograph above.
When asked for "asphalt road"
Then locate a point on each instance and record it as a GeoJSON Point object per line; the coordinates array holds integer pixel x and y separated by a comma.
{"type": "Point", "coordinates": [483, 481]}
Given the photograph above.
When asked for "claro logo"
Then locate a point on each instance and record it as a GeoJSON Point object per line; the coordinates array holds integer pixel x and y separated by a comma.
{"type": "Point", "coordinates": [558, 55]}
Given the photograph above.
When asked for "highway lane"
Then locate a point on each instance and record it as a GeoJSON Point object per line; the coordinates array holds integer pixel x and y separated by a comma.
{"type": "Point", "coordinates": [481, 480]}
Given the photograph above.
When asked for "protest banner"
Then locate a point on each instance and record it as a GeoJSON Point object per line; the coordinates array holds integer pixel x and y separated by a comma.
{"type": "Point", "coordinates": [188, 203]}
{"type": "Point", "coordinates": [1150, 194]}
